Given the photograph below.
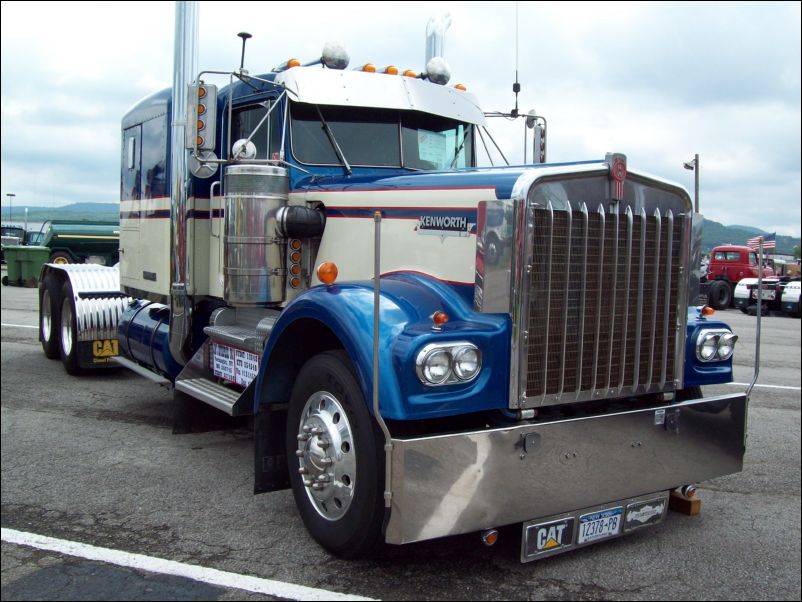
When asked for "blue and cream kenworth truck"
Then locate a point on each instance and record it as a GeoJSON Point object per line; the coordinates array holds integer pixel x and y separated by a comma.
{"type": "Point", "coordinates": [312, 247]}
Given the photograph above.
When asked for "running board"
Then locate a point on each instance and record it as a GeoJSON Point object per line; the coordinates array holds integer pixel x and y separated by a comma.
{"type": "Point", "coordinates": [210, 392]}
{"type": "Point", "coordinates": [198, 381]}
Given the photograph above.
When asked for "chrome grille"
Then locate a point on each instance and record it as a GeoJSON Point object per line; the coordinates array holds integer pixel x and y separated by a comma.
{"type": "Point", "coordinates": [603, 297]}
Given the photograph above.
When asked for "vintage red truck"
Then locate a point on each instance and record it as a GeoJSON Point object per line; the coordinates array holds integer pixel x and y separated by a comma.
{"type": "Point", "coordinates": [728, 265]}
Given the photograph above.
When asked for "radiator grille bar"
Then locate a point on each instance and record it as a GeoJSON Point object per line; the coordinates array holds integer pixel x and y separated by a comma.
{"type": "Point", "coordinates": [603, 299]}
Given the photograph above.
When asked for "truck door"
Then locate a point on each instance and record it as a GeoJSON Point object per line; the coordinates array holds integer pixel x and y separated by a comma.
{"type": "Point", "coordinates": [130, 206]}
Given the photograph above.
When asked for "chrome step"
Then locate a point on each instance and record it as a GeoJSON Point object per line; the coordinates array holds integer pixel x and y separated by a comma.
{"type": "Point", "coordinates": [210, 392]}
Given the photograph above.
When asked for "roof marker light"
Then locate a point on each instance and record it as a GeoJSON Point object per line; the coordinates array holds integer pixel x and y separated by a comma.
{"type": "Point", "coordinates": [391, 70]}
{"type": "Point", "coordinates": [461, 87]}
{"type": "Point", "coordinates": [293, 63]}
{"type": "Point", "coordinates": [410, 73]}
{"type": "Point", "coordinates": [370, 68]}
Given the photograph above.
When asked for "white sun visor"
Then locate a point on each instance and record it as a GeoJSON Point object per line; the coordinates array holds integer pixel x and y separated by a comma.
{"type": "Point", "coordinates": [316, 85]}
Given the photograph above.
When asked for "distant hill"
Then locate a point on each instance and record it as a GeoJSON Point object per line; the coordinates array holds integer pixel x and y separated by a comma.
{"type": "Point", "coordinates": [715, 234]}
{"type": "Point", "coordinates": [104, 212]}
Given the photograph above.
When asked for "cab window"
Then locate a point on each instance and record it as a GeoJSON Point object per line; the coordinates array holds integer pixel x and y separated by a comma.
{"type": "Point", "coordinates": [268, 138]}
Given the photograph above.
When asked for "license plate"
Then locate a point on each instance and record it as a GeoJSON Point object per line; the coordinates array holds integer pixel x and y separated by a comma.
{"type": "Point", "coordinates": [765, 295]}
{"type": "Point", "coordinates": [600, 525]}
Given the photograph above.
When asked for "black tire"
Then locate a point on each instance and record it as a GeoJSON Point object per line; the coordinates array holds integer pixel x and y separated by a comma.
{"type": "Point", "coordinates": [61, 258]}
{"type": "Point", "coordinates": [720, 295]}
{"type": "Point", "coordinates": [68, 331]}
{"type": "Point", "coordinates": [49, 316]}
{"type": "Point", "coordinates": [345, 513]}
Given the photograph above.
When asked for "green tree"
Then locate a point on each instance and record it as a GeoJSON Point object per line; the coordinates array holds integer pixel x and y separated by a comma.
{"type": "Point", "coordinates": [796, 252]}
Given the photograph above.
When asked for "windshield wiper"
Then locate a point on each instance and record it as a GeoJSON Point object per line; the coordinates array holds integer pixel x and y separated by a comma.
{"type": "Point", "coordinates": [333, 141]}
{"type": "Point", "coordinates": [459, 148]}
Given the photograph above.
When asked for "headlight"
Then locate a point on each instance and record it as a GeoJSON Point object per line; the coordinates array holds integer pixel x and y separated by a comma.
{"type": "Point", "coordinates": [437, 366]}
{"type": "Point", "coordinates": [448, 363]}
{"type": "Point", "coordinates": [726, 346]}
{"type": "Point", "coordinates": [715, 345]}
{"type": "Point", "coordinates": [467, 363]}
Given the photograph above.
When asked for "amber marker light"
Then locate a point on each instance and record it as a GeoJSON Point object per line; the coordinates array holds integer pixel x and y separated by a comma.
{"type": "Point", "coordinates": [369, 68]}
{"type": "Point", "coordinates": [439, 318]}
{"type": "Point", "coordinates": [391, 70]}
{"type": "Point", "coordinates": [293, 63]}
{"type": "Point", "coordinates": [708, 311]}
{"type": "Point", "coordinates": [295, 244]}
{"type": "Point", "coordinates": [410, 73]}
{"type": "Point", "coordinates": [462, 87]}
{"type": "Point", "coordinates": [201, 92]}
{"type": "Point", "coordinates": [327, 272]}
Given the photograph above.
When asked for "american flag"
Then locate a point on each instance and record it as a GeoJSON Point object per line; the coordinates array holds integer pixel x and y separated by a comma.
{"type": "Point", "coordinates": [769, 241]}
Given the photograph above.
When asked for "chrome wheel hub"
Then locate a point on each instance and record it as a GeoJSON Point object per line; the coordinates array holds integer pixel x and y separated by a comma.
{"type": "Point", "coordinates": [47, 319]}
{"type": "Point", "coordinates": [326, 455]}
{"type": "Point", "coordinates": [66, 327]}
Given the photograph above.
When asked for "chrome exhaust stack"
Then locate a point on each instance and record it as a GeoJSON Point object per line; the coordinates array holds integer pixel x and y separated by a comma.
{"type": "Point", "coordinates": [185, 61]}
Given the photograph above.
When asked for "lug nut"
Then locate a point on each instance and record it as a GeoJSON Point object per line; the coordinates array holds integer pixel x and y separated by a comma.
{"type": "Point", "coordinates": [303, 437]}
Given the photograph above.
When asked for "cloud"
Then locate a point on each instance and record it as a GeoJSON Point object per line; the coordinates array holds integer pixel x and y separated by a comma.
{"type": "Point", "coordinates": [658, 81]}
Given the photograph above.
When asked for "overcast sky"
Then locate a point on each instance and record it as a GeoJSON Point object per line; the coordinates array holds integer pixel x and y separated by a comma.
{"type": "Point", "coordinates": [656, 81]}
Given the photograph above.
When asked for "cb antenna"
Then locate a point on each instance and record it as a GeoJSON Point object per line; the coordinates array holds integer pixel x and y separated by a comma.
{"type": "Point", "coordinates": [244, 35]}
{"type": "Point", "coordinates": [516, 87]}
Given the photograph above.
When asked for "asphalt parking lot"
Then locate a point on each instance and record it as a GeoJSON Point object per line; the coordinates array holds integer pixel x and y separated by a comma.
{"type": "Point", "coordinates": [93, 460]}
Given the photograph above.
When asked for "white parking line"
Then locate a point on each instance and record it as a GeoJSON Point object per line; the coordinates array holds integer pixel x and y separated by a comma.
{"type": "Point", "coordinates": [766, 386]}
{"type": "Point", "coordinates": [171, 567]}
{"type": "Point", "coordinates": [18, 325]}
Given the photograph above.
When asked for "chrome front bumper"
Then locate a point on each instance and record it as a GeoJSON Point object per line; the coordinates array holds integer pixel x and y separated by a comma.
{"type": "Point", "coordinates": [459, 483]}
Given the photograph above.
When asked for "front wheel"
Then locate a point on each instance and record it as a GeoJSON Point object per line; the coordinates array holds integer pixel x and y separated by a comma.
{"type": "Point", "coordinates": [338, 473]}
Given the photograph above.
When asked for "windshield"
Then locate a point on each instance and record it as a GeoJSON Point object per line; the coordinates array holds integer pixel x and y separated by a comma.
{"type": "Point", "coordinates": [380, 138]}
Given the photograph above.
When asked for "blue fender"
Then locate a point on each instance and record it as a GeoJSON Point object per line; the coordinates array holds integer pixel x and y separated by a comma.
{"type": "Point", "coordinates": [408, 301]}
{"type": "Point", "coordinates": [697, 372]}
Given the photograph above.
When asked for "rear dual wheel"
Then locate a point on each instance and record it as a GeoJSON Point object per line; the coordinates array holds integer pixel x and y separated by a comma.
{"type": "Point", "coordinates": [68, 331]}
{"type": "Point", "coordinates": [49, 310]}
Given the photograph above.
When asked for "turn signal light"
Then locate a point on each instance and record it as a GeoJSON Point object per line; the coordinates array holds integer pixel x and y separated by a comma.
{"type": "Point", "coordinates": [708, 311]}
{"type": "Point", "coordinates": [489, 537]}
{"type": "Point", "coordinates": [327, 272]}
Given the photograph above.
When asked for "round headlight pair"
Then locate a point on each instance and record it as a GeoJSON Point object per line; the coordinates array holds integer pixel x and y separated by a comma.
{"type": "Point", "coordinates": [445, 363]}
{"type": "Point", "coordinates": [715, 345]}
